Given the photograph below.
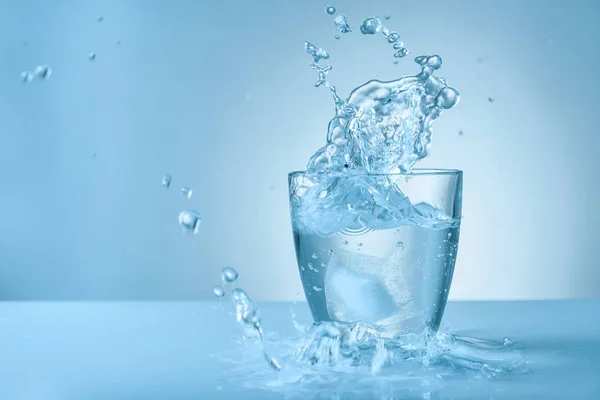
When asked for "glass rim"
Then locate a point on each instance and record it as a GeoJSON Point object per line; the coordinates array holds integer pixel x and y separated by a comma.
{"type": "Point", "coordinates": [414, 172]}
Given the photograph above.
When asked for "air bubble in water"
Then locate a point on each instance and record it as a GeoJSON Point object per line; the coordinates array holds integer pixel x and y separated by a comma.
{"type": "Point", "coordinates": [186, 192]}
{"type": "Point", "coordinates": [218, 291]}
{"type": "Point", "coordinates": [330, 252]}
{"type": "Point", "coordinates": [360, 245]}
{"type": "Point", "coordinates": [92, 56]}
{"type": "Point", "coordinates": [398, 45]}
{"type": "Point", "coordinates": [315, 255]}
{"type": "Point", "coordinates": [317, 288]}
{"type": "Point", "coordinates": [341, 23]}
{"type": "Point", "coordinates": [330, 10]}
{"type": "Point", "coordinates": [388, 16]}
{"type": "Point", "coordinates": [337, 36]}
{"type": "Point", "coordinates": [345, 242]}
{"type": "Point", "coordinates": [370, 26]}
{"type": "Point", "coordinates": [42, 71]}
{"type": "Point", "coordinates": [229, 274]}
{"type": "Point", "coordinates": [26, 76]}
{"type": "Point", "coordinates": [166, 181]}
{"type": "Point", "coordinates": [399, 244]}
{"type": "Point", "coordinates": [190, 221]}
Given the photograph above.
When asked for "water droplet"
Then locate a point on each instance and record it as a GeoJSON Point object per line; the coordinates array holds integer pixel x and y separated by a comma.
{"type": "Point", "coordinates": [449, 234]}
{"type": "Point", "coordinates": [26, 76]}
{"type": "Point", "coordinates": [395, 61]}
{"type": "Point", "coordinates": [330, 252]}
{"type": "Point", "coordinates": [393, 37]}
{"type": "Point", "coordinates": [337, 36]}
{"type": "Point", "coordinates": [330, 10]}
{"type": "Point", "coordinates": [398, 45]}
{"type": "Point", "coordinates": [317, 288]}
{"type": "Point", "coordinates": [345, 242]}
{"type": "Point", "coordinates": [317, 53]}
{"type": "Point", "coordinates": [460, 132]}
{"type": "Point", "coordinates": [190, 221]}
{"type": "Point", "coordinates": [92, 56]}
{"type": "Point", "coordinates": [316, 269]}
{"type": "Point", "coordinates": [341, 23]}
{"type": "Point", "coordinates": [100, 18]}
{"type": "Point", "coordinates": [490, 100]}
{"type": "Point", "coordinates": [360, 245]}
{"type": "Point", "coordinates": [507, 341]}
{"type": "Point", "coordinates": [42, 71]}
{"type": "Point", "coordinates": [400, 244]}
{"type": "Point", "coordinates": [323, 264]}
{"type": "Point", "coordinates": [403, 52]}
{"type": "Point", "coordinates": [218, 291]}
{"type": "Point", "coordinates": [166, 181]}
{"type": "Point", "coordinates": [388, 16]}
{"type": "Point", "coordinates": [310, 266]}
{"type": "Point", "coordinates": [186, 192]}
{"type": "Point", "coordinates": [315, 255]}
{"type": "Point", "coordinates": [229, 274]}
{"type": "Point", "coordinates": [370, 26]}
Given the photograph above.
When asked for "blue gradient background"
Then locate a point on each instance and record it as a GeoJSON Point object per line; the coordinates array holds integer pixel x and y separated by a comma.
{"type": "Point", "coordinates": [220, 95]}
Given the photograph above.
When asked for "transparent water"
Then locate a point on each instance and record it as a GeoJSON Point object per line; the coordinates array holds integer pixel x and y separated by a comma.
{"type": "Point", "coordinates": [395, 278]}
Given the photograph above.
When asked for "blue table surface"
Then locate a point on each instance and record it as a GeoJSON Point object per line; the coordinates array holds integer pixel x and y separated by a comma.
{"type": "Point", "coordinates": [186, 350]}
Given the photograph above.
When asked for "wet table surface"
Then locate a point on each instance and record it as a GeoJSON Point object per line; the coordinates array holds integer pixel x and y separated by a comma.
{"type": "Point", "coordinates": [186, 350]}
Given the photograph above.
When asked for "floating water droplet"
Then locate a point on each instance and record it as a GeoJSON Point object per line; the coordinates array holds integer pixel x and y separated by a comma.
{"type": "Point", "coordinates": [330, 10]}
{"type": "Point", "coordinates": [317, 53]}
{"type": "Point", "coordinates": [42, 71]}
{"type": "Point", "coordinates": [400, 244]}
{"type": "Point", "coordinates": [393, 37]}
{"type": "Point", "coordinates": [218, 291]}
{"type": "Point", "coordinates": [398, 45]}
{"type": "Point", "coordinates": [388, 16]}
{"type": "Point", "coordinates": [166, 181]}
{"type": "Point", "coordinates": [370, 26]}
{"type": "Point", "coordinates": [491, 100]}
{"type": "Point", "coordinates": [345, 242]}
{"type": "Point", "coordinates": [395, 61]}
{"type": "Point", "coordinates": [360, 245]}
{"type": "Point", "coordinates": [341, 23]}
{"type": "Point", "coordinates": [449, 235]}
{"type": "Point", "coordinates": [323, 264]}
{"type": "Point", "coordinates": [316, 269]}
{"type": "Point", "coordinates": [100, 18]}
{"type": "Point", "coordinates": [337, 36]}
{"type": "Point", "coordinates": [317, 288]}
{"type": "Point", "coordinates": [385, 32]}
{"type": "Point", "coordinates": [26, 76]}
{"type": "Point", "coordinates": [330, 252]}
{"type": "Point", "coordinates": [186, 192]}
{"type": "Point", "coordinates": [403, 52]}
{"type": "Point", "coordinates": [315, 255]}
{"type": "Point", "coordinates": [92, 56]}
{"type": "Point", "coordinates": [229, 274]}
{"type": "Point", "coordinates": [190, 221]}
{"type": "Point", "coordinates": [310, 266]}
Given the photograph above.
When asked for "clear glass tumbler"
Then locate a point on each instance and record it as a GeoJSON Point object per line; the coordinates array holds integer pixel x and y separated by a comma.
{"type": "Point", "coordinates": [377, 248]}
